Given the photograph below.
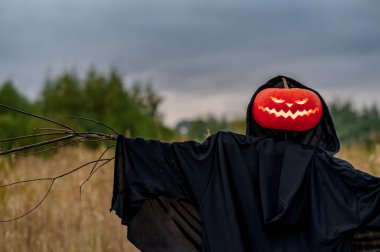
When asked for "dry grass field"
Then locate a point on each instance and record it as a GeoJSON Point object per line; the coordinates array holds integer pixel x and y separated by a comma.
{"type": "Point", "coordinates": [63, 223]}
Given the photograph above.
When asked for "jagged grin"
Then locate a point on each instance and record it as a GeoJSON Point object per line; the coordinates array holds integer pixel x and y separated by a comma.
{"type": "Point", "coordinates": [289, 113]}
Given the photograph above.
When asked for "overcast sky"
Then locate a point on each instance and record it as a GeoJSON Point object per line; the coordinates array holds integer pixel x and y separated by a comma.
{"type": "Point", "coordinates": [204, 56]}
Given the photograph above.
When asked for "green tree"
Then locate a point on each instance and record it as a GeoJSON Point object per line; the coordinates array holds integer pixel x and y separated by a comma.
{"type": "Point", "coordinates": [10, 96]}
{"type": "Point", "coordinates": [353, 126]}
{"type": "Point", "coordinates": [147, 98]}
{"type": "Point", "coordinates": [12, 123]}
{"type": "Point", "coordinates": [62, 96]}
{"type": "Point", "coordinates": [104, 97]}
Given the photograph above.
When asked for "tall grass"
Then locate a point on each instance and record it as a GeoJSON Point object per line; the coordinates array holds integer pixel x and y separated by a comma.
{"type": "Point", "coordinates": [63, 223]}
{"type": "Point", "coordinates": [362, 158]}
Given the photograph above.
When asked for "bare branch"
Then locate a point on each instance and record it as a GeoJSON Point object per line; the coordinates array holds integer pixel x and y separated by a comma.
{"type": "Point", "coordinates": [25, 181]}
{"type": "Point", "coordinates": [81, 166]}
{"type": "Point", "coordinates": [37, 116]}
{"type": "Point", "coordinates": [34, 208]}
{"type": "Point", "coordinates": [68, 134]}
{"type": "Point", "coordinates": [26, 147]}
{"type": "Point", "coordinates": [56, 177]}
{"type": "Point", "coordinates": [103, 153]}
{"type": "Point", "coordinates": [89, 176]}
{"type": "Point", "coordinates": [92, 120]}
{"type": "Point", "coordinates": [34, 135]}
{"type": "Point", "coordinates": [91, 135]}
{"type": "Point", "coordinates": [55, 129]}
{"type": "Point", "coordinates": [94, 169]}
{"type": "Point", "coordinates": [66, 144]}
{"type": "Point", "coordinates": [98, 135]}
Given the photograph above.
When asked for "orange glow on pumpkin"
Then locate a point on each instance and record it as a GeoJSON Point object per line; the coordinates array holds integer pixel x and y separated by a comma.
{"type": "Point", "coordinates": [292, 109]}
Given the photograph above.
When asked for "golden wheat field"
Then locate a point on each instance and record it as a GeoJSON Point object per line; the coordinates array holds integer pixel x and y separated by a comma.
{"type": "Point", "coordinates": [65, 223]}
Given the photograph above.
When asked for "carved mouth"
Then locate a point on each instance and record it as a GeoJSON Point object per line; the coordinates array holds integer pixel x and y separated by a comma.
{"type": "Point", "coordinates": [289, 113]}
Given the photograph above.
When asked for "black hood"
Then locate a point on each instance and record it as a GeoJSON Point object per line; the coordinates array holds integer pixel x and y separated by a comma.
{"type": "Point", "coordinates": [322, 136]}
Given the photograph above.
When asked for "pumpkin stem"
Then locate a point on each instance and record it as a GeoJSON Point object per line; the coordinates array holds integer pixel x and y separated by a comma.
{"type": "Point", "coordinates": [285, 82]}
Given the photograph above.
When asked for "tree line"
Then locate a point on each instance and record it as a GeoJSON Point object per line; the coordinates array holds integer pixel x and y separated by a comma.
{"type": "Point", "coordinates": [134, 110]}
{"type": "Point", "coordinates": [103, 97]}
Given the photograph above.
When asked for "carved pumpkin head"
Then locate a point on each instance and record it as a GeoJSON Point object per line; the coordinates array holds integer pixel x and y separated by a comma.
{"type": "Point", "coordinates": [314, 129]}
{"type": "Point", "coordinates": [292, 109]}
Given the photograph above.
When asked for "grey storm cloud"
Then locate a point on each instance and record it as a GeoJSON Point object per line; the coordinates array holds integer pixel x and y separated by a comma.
{"type": "Point", "coordinates": [194, 47]}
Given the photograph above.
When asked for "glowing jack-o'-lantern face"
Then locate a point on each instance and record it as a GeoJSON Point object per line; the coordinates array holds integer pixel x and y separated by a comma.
{"type": "Point", "coordinates": [293, 109]}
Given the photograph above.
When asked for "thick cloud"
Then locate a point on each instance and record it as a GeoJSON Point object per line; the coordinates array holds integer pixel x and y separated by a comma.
{"type": "Point", "coordinates": [197, 52]}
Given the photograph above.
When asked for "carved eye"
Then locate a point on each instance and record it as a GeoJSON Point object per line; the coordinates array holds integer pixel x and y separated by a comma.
{"type": "Point", "coordinates": [277, 100]}
{"type": "Point", "coordinates": [303, 101]}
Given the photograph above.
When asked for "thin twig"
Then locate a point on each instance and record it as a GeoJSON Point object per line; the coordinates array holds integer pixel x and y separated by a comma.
{"type": "Point", "coordinates": [56, 177]}
{"type": "Point", "coordinates": [34, 135]}
{"type": "Point", "coordinates": [92, 120]}
{"type": "Point", "coordinates": [91, 134]}
{"type": "Point", "coordinates": [79, 167]}
{"type": "Point", "coordinates": [94, 169]}
{"type": "Point", "coordinates": [26, 147]}
{"type": "Point", "coordinates": [100, 157]}
{"type": "Point", "coordinates": [35, 207]}
{"type": "Point", "coordinates": [25, 181]}
{"type": "Point", "coordinates": [50, 129]}
{"type": "Point", "coordinates": [37, 116]}
{"type": "Point", "coordinates": [89, 176]}
{"type": "Point", "coordinates": [97, 168]}
{"type": "Point", "coordinates": [66, 144]}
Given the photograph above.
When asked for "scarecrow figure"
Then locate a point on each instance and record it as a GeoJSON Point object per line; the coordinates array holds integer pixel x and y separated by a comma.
{"type": "Point", "coordinates": [277, 188]}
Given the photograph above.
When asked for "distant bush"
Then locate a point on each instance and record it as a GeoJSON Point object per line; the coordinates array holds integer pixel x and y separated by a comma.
{"type": "Point", "coordinates": [199, 128]}
{"type": "Point", "coordinates": [355, 126]}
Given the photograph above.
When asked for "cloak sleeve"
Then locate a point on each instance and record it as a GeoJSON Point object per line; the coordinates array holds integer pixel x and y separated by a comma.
{"type": "Point", "coordinates": [350, 197]}
{"type": "Point", "coordinates": [147, 169]}
{"type": "Point", "coordinates": [368, 193]}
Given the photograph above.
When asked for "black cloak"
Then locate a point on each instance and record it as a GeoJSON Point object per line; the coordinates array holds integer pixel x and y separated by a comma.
{"type": "Point", "coordinates": [268, 190]}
